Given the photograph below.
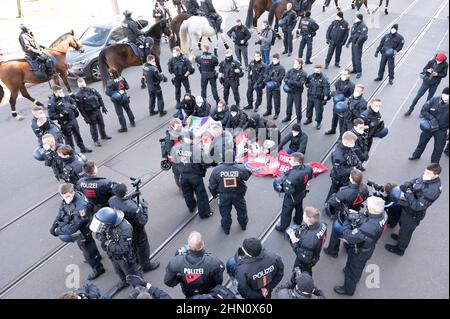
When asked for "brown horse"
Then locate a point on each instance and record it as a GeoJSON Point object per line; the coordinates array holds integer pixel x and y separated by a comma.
{"type": "Point", "coordinates": [120, 56]}
{"type": "Point", "coordinates": [356, 4]}
{"type": "Point", "coordinates": [15, 73]}
{"type": "Point", "coordinates": [175, 26]}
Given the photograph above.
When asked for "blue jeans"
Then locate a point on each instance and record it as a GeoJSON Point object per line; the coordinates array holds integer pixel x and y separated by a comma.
{"type": "Point", "coordinates": [266, 56]}
{"type": "Point", "coordinates": [422, 90]}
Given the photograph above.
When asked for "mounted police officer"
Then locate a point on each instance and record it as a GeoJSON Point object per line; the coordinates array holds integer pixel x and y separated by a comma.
{"type": "Point", "coordinates": [137, 215]}
{"type": "Point", "coordinates": [207, 63]}
{"type": "Point", "coordinates": [295, 183]}
{"type": "Point", "coordinates": [35, 51]}
{"type": "Point", "coordinates": [318, 95]}
{"type": "Point", "coordinates": [307, 29]}
{"type": "Point", "coordinates": [43, 125]}
{"type": "Point", "coordinates": [256, 72]}
{"type": "Point", "coordinates": [290, 21]}
{"type": "Point", "coordinates": [154, 79]}
{"type": "Point", "coordinates": [181, 68]}
{"type": "Point", "coordinates": [337, 35]}
{"type": "Point", "coordinates": [72, 224]}
{"type": "Point", "coordinates": [300, 287]}
{"type": "Point", "coordinates": [134, 33]}
{"type": "Point", "coordinates": [207, 8]}
{"type": "Point", "coordinates": [71, 164]}
{"type": "Point", "coordinates": [295, 79]}
{"type": "Point", "coordinates": [358, 35]}
{"type": "Point", "coordinates": [63, 109]}
{"type": "Point", "coordinates": [194, 269]}
{"type": "Point", "coordinates": [227, 182]}
{"type": "Point", "coordinates": [275, 73]}
{"type": "Point", "coordinates": [362, 236]}
{"type": "Point", "coordinates": [192, 7]}
{"type": "Point", "coordinates": [89, 103]}
{"type": "Point", "coordinates": [230, 71]}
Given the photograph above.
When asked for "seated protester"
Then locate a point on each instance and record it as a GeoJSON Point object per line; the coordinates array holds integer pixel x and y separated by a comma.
{"type": "Point", "coordinates": [255, 127]}
{"type": "Point", "coordinates": [72, 164]}
{"type": "Point", "coordinates": [238, 119]}
{"type": "Point", "coordinates": [88, 291]}
{"type": "Point", "coordinates": [187, 107]}
{"type": "Point", "coordinates": [44, 126]}
{"type": "Point", "coordinates": [298, 140]}
{"type": "Point", "coordinates": [301, 286]}
{"type": "Point", "coordinates": [221, 113]}
{"type": "Point", "coordinates": [144, 290]}
{"type": "Point", "coordinates": [202, 107]}
{"type": "Point", "coordinates": [361, 145]}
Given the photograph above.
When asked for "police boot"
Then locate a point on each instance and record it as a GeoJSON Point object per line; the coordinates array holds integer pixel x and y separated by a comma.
{"type": "Point", "coordinates": [143, 86]}
{"type": "Point", "coordinates": [84, 149]}
{"type": "Point", "coordinates": [267, 113]}
{"type": "Point", "coordinates": [98, 144]}
{"type": "Point", "coordinates": [341, 291]}
{"type": "Point", "coordinates": [248, 107]}
{"type": "Point", "coordinates": [358, 75]}
{"type": "Point", "coordinates": [408, 113]}
{"type": "Point", "coordinates": [330, 132]}
{"type": "Point", "coordinates": [106, 137]}
{"type": "Point", "coordinates": [386, 11]}
{"type": "Point", "coordinates": [286, 119]}
{"type": "Point", "coordinates": [329, 253]}
{"type": "Point", "coordinates": [96, 273]}
{"type": "Point", "coordinates": [278, 228]}
{"type": "Point", "coordinates": [162, 113]}
{"type": "Point", "coordinates": [394, 249]}
{"type": "Point", "coordinates": [151, 265]}
{"type": "Point", "coordinates": [308, 62]}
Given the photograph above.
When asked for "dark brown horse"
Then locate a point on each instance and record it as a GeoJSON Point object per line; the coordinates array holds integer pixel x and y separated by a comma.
{"type": "Point", "coordinates": [15, 73]}
{"type": "Point", "coordinates": [120, 56]}
{"type": "Point", "coordinates": [175, 25]}
{"type": "Point", "coordinates": [356, 4]}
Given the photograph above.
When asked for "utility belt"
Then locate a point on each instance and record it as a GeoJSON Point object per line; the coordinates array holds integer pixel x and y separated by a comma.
{"type": "Point", "coordinates": [416, 215]}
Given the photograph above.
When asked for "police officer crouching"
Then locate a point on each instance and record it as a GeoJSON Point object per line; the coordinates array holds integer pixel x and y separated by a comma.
{"type": "Point", "coordinates": [307, 240]}
{"type": "Point", "coordinates": [137, 216]}
{"type": "Point", "coordinates": [302, 287]}
{"type": "Point", "coordinates": [154, 79]}
{"type": "Point", "coordinates": [294, 183]}
{"type": "Point", "coordinates": [362, 236]}
{"type": "Point", "coordinates": [116, 235]}
{"type": "Point", "coordinates": [72, 224]}
{"type": "Point", "coordinates": [194, 269]}
{"type": "Point", "coordinates": [89, 103]}
{"type": "Point", "coordinates": [227, 182]}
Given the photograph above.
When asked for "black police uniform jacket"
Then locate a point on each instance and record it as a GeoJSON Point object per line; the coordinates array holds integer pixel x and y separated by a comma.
{"type": "Point", "coordinates": [361, 145]}
{"type": "Point", "coordinates": [228, 67]}
{"type": "Point", "coordinates": [358, 34]}
{"type": "Point", "coordinates": [153, 77]}
{"type": "Point", "coordinates": [308, 27]}
{"type": "Point", "coordinates": [318, 86]}
{"type": "Point", "coordinates": [275, 73]}
{"type": "Point", "coordinates": [295, 182]}
{"type": "Point", "coordinates": [207, 63]}
{"type": "Point", "coordinates": [238, 34]}
{"type": "Point", "coordinates": [131, 29]}
{"type": "Point", "coordinates": [189, 158]}
{"type": "Point", "coordinates": [420, 195]}
{"type": "Point", "coordinates": [394, 41]}
{"type": "Point", "coordinates": [229, 179]}
{"type": "Point", "coordinates": [295, 79]}
{"type": "Point", "coordinates": [254, 273]}
{"type": "Point", "coordinates": [47, 128]}
{"type": "Point", "coordinates": [338, 31]}
{"type": "Point", "coordinates": [256, 72]}
{"type": "Point", "coordinates": [72, 168]}
{"type": "Point", "coordinates": [297, 143]}
{"type": "Point", "coordinates": [73, 218]}
{"type": "Point", "coordinates": [197, 271]}
{"type": "Point", "coordinates": [440, 68]}
{"type": "Point", "coordinates": [344, 87]}
{"type": "Point", "coordinates": [373, 120]}
{"type": "Point", "coordinates": [117, 241]}
{"type": "Point", "coordinates": [89, 101]}
{"type": "Point", "coordinates": [355, 107]}
{"type": "Point", "coordinates": [62, 109]}
{"type": "Point", "coordinates": [291, 20]}
{"type": "Point", "coordinates": [437, 111]}
{"type": "Point", "coordinates": [29, 45]}
{"type": "Point", "coordinates": [98, 190]}
{"type": "Point", "coordinates": [308, 248]}
{"type": "Point", "coordinates": [349, 197]}
{"type": "Point", "coordinates": [119, 84]}
{"type": "Point", "coordinates": [179, 66]}
{"type": "Point", "coordinates": [133, 213]}
{"type": "Point", "coordinates": [344, 159]}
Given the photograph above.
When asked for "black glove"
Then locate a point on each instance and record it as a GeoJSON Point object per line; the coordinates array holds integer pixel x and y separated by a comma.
{"type": "Point", "coordinates": [328, 42]}
{"type": "Point", "coordinates": [104, 110]}
{"type": "Point", "coordinates": [135, 281]}
{"type": "Point", "coordinates": [53, 229]}
{"type": "Point", "coordinates": [376, 54]}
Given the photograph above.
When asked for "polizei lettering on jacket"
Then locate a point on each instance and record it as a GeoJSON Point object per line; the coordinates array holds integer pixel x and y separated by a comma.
{"type": "Point", "coordinates": [193, 271]}
{"type": "Point", "coordinates": [229, 174]}
{"type": "Point", "coordinates": [264, 272]}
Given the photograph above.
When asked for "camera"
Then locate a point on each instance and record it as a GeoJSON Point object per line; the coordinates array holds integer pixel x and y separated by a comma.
{"type": "Point", "coordinates": [377, 187]}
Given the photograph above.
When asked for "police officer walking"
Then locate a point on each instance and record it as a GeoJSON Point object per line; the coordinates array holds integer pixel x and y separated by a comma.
{"type": "Point", "coordinates": [362, 239]}
{"type": "Point", "coordinates": [437, 113]}
{"type": "Point", "coordinates": [62, 108]}
{"type": "Point", "coordinates": [274, 75]}
{"type": "Point", "coordinates": [308, 239]}
{"type": "Point", "coordinates": [337, 35]}
{"type": "Point", "coordinates": [207, 63]}
{"type": "Point", "coordinates": [295, 79]}
{"type": "Point", "coordinates": [318, 95]}
{"type": "Point", "coordinates": [194, 269]}
{"type": "Point", "coordinates": [181, 68]}
{"type": "Point", "coordinates": [154, 79]}
{"type": "Point", "coordinates": [230, 71]}
{"type": "Point", "coordinates": [137, 215]}
{"type": "Point", "coordinates": [419, 194]}
{"type": "Point", "coordinates": [295, 183]}
{"type": "Point", "coordinates": [258, 271]}
{"type": "Point", "coordinates": [390, 45]}
{"type": "Point", "coordinates": [240, 35]}
{"type": "Point", "coordinates": [256, 72]}
{"type": "Point", "coordinates": [308, 28]}
{"type": "Point", "coordinates": [358, 35]}
{"type": "Point", "coordinates": [89, 103]}
{"type": "Point", "coordinates": [72, 224]}
{"type": "Point", "coordinates": [290, 21]}
{"type": "Point", "coordinates": [227, 182]}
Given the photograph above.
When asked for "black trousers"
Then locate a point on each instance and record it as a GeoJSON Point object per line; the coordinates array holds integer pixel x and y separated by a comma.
{"type": "Point", "coordinates": [259, 95]}
{"type": "Point", "coordinates": [304, 267]}
{"type": "Point", "coordinates": [226, 202]}
{"type": "Point", "coordinates": [124, 267]}
{"type": "Point", "coordinates": [241, 51]}
{"type": "Point", "coordinates": [336, 49]}
{"type": "Point", "coordinates": [440, 138]}
{"type": "Point", "coordinates": [334, 243]}
{"type": "Point", "coordinates": [286, 213]}
{"type": "Point", "coordinates": [70, 131]}
{"type": "Point", "coordinates": [193, 185]}
{"type": "Point", "coordinates": [177, 82]}
{"type": "Point", "coordinates": [335, 185]}
{"type": "Point", "coordinates": [155, 96]}
{"type": "Point", "coordinates": [119, 111]}
{"type": "Point", "coordinates": [96, 125]}
{"type": "Point", "coordinates": [308, 42]}
{"type": "Point", "coordinates": [391, 67]}
{"type": "Point", "coordinates": [212, 80]}
{"type": "Point", "coordinates": [90, 252]}
{"type": "Point", "coordinates": [357, 52]}
{"type": "Point", "coordinates": [276, 96]}
{"type": "Point", "coordinates": [356, 262]}
{"type": "Point", "coordinates": [288, 40]}
{"type": "Point", "coordinates": [334, 123]}
{"type": "Point", "coordinates": [142, 246]}
{"type": "Point", "coordinates": [314, 104]}
{"type": "Point", "coordinates": [294, 98]}
{"type": "Point", "coordinates": [176, 175]}
{"type": "Point", "coordinates": [408, 225]}
{"type": "Point", "coordinates": [234, 86]}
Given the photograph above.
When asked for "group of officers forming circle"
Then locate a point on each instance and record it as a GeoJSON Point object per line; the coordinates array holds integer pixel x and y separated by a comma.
{"type": "Point", "coordinates": [92, 204]}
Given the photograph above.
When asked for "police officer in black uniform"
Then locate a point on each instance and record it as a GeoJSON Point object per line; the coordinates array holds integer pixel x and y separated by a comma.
{"type": "Point", "coordinates": [356, 105]}
{"type": "Point", "coordinates": [301, 287]}
{"type": "Point", "coordinates": [362, 144]}
{"type": "Point", "coordinates": [154, 79]}
{"type": "Point", "coordinates": [50, 155]}
{"type": "Point", "coordinates": [63, 109]}
{"type": "Point", "coordinates": [372, 119]}
{"type": "Point", "coordinates": [275, 72]}
{"type": "Point", "coordinates": [230, 71]}
{"type": "Point", "coordinates": [256, 72]}
{"type": "Point", "coordinates": [116, 236]}
{"type": "Point", "coordinates": [72, 224]}
{"type": "Point", "coordinates": [240, 35]}
{"type": "Point", "coordinates": [71, 164]}
{"type": "Point", "coordinates": [362, 239]}
{"type": "Point", "coordinates": [435, 111]}
{"type": "Point", "coordinates": [345, 87]}
{"type": "Point", "coordinates": [394, 41]}
{"type": "Point", "coordinates": [350, 197]}
{"type": "Point", "coordinates": [358, 36]}
{"type": "Point", "coordinates": [181, 68]}
{"type": "Point", "coordinates": [207, 8]}
{"type": "Point", "coordinates": [89, 103]}
{"type": "Point", "coordinates": [98, 190]}
{"type": "Point", "coordinates": [290, 21]}
{"type": "Point", "coordinates": [192, 7]}
{"type": "Point", "coordinates": [295, 79]}
{"type": "Point", "coordinates": [134, 34]}
{"type": "Point", "coordinates": [43, 125]}
{"type": "Point", "coordinates": [137, 216]}
{"type": "Point", "coordinates": [194, 269]}
{"type": "Point", "coordinates": [307, 29]}
{"type": "Point", "coordinates": [419, 194]}
{"type": "Point", "coordinates": [295, 183]}
{"type": "Point", "coordinates": [207, 63]}
{"type": "Point", "coordinates": [344, 159]}
{"type": "Point", "coordinates": [337, 35]}
{"type": "Point", "coordinates": [297, 139]}
{"type": "Point", "coordinates": [318, 95]}
{"type": "Point", "coordinates": [258, 271]}
{"type": "Point", "coordinates": [227, 182]}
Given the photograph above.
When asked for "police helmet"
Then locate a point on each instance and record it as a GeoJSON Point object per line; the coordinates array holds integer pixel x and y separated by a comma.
{"type": "Point", "coordinates": [425, 126]}
{"type": "Point", "coordinates": [338, 98]}
{"type": "Point", "coordinates": [287, 88]}
{"type": "Point", "coordinates": [106, 217]}
{"type": "Point", "coordinates": [338, 228]}
{"type": "Point", "coordinates": [382, 133]}
{"type": "Point", "coordinates": [116, 97]}
{"type": "Point", "coordinates": [68, 238]}
{"type": "Point", "coordinates": [389, 53]}
{"type": "Point", "coordinates": [231, 267]}
{"type": "Point", "coordinates": [166, 165]}
{"type": "Point", "coordinates": [282, 23]}
{"type": "Point", "coordinates": [271, 85]}
{"type": "Point", "coordinates": [278, 185]}
{"type": "Point", "coordinates": [259, 86]}
{"type": "Point", "coordinates": [127, 13]}
{"type": "Point", "coordinates": [395, 194]}
{"type": "Point", "coordinates": [38, 154]}
{"type": "Point", "coordinates": [340, 107]}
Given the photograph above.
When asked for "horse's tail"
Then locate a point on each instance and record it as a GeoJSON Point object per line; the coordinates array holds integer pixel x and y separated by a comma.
{"type": "Point", "coordinates": [2, 93]}
{"type": "Point", "coordinates": [272, 12]}
{"type": "Point", "coordinates": [184, 40]}
{"type": "Point", "coordinates": [103, 66]}
{"type": "Point", "coordinates": [250, 13]}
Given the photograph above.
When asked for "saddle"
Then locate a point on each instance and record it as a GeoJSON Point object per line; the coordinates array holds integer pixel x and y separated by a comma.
{"type": "Point", "coordinates": [39, 67]}
{"type": "Point", "coordinates": [147, 43]}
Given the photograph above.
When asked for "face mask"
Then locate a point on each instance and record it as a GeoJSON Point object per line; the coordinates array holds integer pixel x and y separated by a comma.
{"type": "Point", "coordinates": [317, 74]}
{"type": "Point", "coordinates": [426, 177]}
{"type": "Point", "coordinates": [344, 77]}
{"type": "Point", "coordinates": [61, 94]}
{"type": "Point", "coordinates": [338, 19]}
{"type": "Point", "coordinates": [359, 130]}
{"type": "Point", "coordinates": [175, 55]}
{"type": "Point", "coordinates": [233, 114]}
{"type": "Point", "coordinates": [445, 98]}
{"type": "Point", "coordinates": [275, 61]}
{"type": "Point", "coordinates": [46, 147]}
{"type": "Point", "coordinates": [68, 200]}
{"type": "Point", "coordinates": [356, 20]}
{"type": "Point", "coordinates": [220, 109]}
{"type": "Point", "coordinates": [356, 94]}
{"type": "Point", "coordinates": [229, 58]}
{"type": "Point", "coordinates": [376, 109]}
{"type": "Point", "coordinates": [393, 31]}
{"type": "Point", "coordinates": [295, 133]}
{"type": "Point", "coordinates": [258, 59]}
{"type": "Point", "coordinates": [82, 86]}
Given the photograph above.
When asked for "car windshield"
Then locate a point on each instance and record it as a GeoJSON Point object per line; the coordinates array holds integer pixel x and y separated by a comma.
{"type": "Point", "coordinates": [95, 36]}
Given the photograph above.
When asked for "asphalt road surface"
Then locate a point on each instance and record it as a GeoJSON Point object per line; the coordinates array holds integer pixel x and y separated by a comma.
{"type": "Point", "coordinates": [37, 265]}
